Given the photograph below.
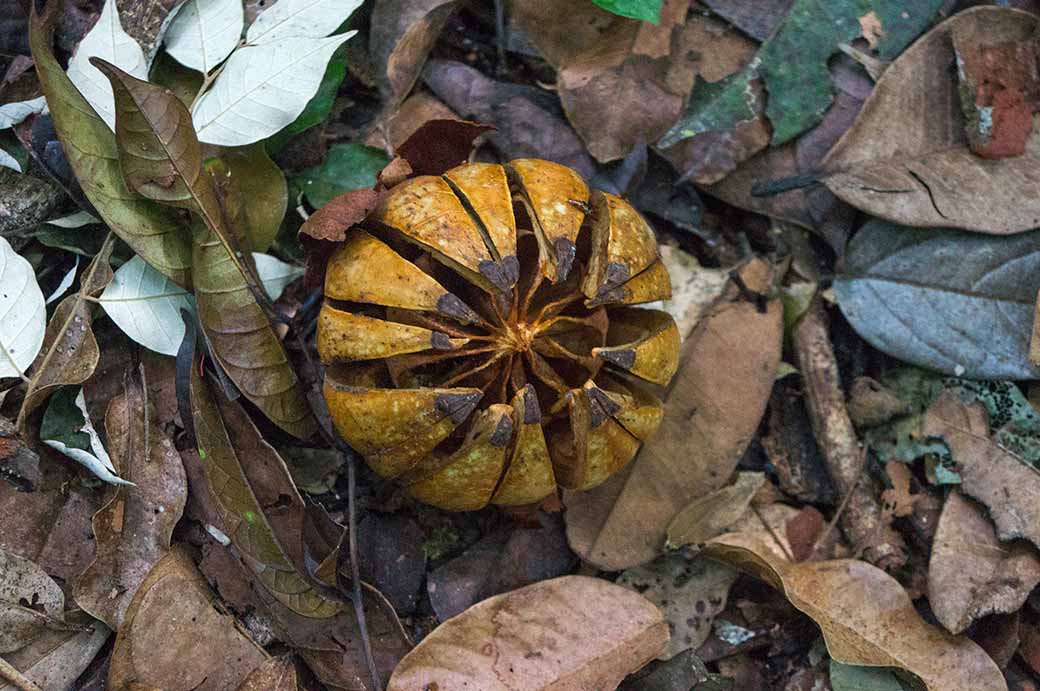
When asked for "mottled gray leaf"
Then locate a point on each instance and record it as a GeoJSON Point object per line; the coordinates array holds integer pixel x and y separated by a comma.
{"type": "Point", "coordinates": [956, 302]}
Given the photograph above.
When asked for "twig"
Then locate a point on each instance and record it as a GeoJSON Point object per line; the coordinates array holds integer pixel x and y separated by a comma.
{"type": "Point", "coordinates": [501, 37]}
{"type": "Point", "coordinates": [822, 537]}
{"type": "Point", "coordinates": [355, 568]}
{"type": "Point", "coordinates": [782, 544]}
{"type": "Point", "coordinates": [861, 519]}
{"type": "Point", "coordinates": [15, 677]}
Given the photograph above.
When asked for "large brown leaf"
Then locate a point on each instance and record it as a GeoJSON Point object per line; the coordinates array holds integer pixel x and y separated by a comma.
{"type": "Point", "coordinates": [174, 638]}
{"type": "Point", "coordinates": [134, 528]}
{"type": "Point", "coordinates": [402, 34]}
{"type": "Point", "coordinates": [152, 231]}
{"type": "Point", "coordinates": [971, 573]}
{"type": "Point", "coordinates": [566, 634]}
{"type": "Point", "coordinates": [866, 617]}
{"type": "Point", "coordinates": [241, 511]}
{"type": "Point", "coordinates": [162, 159]}
{"type": "Point", "coordinates": [70, 351]}
{"type": "Point", "coordinates": [727, 368]}
{"type": "Point", "coordinates": [906, 158]}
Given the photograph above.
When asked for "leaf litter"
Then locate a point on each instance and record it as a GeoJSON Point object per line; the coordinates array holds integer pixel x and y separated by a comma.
{"type": "Point", "coordinates": [840, 224]}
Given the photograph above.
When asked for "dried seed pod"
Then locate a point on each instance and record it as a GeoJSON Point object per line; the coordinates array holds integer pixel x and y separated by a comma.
{"type": "Point", "coordinates": [480, 338]}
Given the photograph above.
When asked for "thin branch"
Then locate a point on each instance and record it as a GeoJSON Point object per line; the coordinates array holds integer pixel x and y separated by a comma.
{"type": "Point", "coordinates": [19, 680]}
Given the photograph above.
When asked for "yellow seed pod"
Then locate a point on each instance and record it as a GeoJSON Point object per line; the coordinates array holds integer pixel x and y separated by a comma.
{"type": "Point", "coordinates": [481, 340]}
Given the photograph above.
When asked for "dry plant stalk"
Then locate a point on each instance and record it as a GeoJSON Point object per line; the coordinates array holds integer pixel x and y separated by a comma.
{"type": "Point", "coordinates": [862, 519]}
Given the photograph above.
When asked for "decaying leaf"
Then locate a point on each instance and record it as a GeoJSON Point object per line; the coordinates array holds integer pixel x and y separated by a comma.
{"type": "Point", "coordinates": [134, 528]}
{"type": "Point", "coordinates": [152, 231]}
{"type": "Point", "coordinates": [599, 632]}
{"type": "Point", "coordinates": [57, 658]}
{"type": "Point", "coordinates": [971, 573]}
{"type": "Point", "coordinates": [689, 591]}
{"type": "Point", "coordinates": [30, 603]}
{"type": "Point", "coordinates": [227, 440]}
{"type": "Point", "coordinates": [175, 639]}
{"type": "Point", "coordinates": [528, 124]}
{"type": "Point", "coordinates": [710, 515]}
{"type": "Point", "coordinates": [866, 616]}
{"type": "Point", "coordinates": [66, 427]}
{"type": "Point", "coordinates": [791, 67]}
{"type": "Point", "coordinates": [453, 313]}
{"type": "Point", "coordinates": [70, 351]}
{"type": "Point", "coordinates": [728, 365]}
{"type": "Point", "coordinates": [254, 184]}
{"type": "Point", "coordinates": [403, 32]}
{"type": "Point", "coordinates": [907, 157]}
{"type": "Point", "coordinates": [1001, 480]}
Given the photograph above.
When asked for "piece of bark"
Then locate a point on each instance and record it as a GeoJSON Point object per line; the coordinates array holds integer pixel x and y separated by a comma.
{"type": "Point", "coordinates": [862, 520]}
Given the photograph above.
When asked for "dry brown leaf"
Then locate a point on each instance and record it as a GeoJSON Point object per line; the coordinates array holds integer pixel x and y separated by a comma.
{"type": "Point", "coordinates": [866, 617]}
{"type": "Point", "coordinates": [971, 573]}
{"type": "Point", "coordinates": [174, 638]}
{"type": "Point", "coordinates": [402, 34]}
{"type": "Point", "coordinates": [1006, 484]}
{"type": "Point", "coordinates": [30, 602]}
{"type": "Point", "coordinates": [134, 528]}
{"type": "Point", "coordinates": [70, 350]}
{"type": "Point", "coordinates": [907, 159]}
{"type": "Point", "coordinates": [276, 674]}
{"type": "Point", "coordinates": [622, 81]}
{"type": "Point", "coordinates": [728, 365]}
{"type": "Point", "coordinates": [50, 526]}
{"type": "Point", "coordinates": [57, 658]}
{"type": "Point", "coordinates": [566, 634]}
{"type": "Point", "coordinates": [710, 515]}
{"type": "Point", "coordinates": [689, 591]}
{"type": "Point", "coordinates": [395, 127]}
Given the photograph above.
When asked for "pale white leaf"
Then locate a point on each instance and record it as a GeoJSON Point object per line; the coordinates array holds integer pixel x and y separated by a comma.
{"type": "Point", "coordinates": [262, 89]}
{"type": "Point", "coordinates": [275, 274]}
{"type": "Point", "coordinates": [204, 33]}
{"type": "Point", "coordinates": [74, 220]}
{"type": "Point", "coordinates": [146, 305]}
{"type": "Point", "coordinates": [312, 18]}
{"type": "Point", "coordinates": [108, 41]}
{"type": "Point", "coordinates": [13, 113]}
{"type": "Point", "coordinates": [97, 459]}
{"type": "Point", "coordinates": [66, 281]}
{"type": "Point", "coordinates": [23, 313]}
{"type": "Point", "coordinates": [9, 161]}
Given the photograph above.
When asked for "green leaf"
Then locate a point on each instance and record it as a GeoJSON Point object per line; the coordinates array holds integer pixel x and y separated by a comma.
{"type": "Point", "coordinates": [223, 431]}
{"type": "Point", "coordinates": [793, 65]}
{"type": "Point", "coordinates": [146, 305]}
{"type": "Point", "coordinates": [955, 302]}
{"type": "Point", "coordinates": [204, 32]}
{"type": "Point", "coordinates": [23, 313]}
{"type": "Point", "coordinates": [647, 10]}
{"type": "Point", "coordinates": [346, 167]}
{"type": "Point", "coordinates": [856, 678]}
{"type": "Point", "coordinates": [318, 108]}
{"type": "Point", "coordinates": [66, 427]}
{"type": "Point", "coordinates": [152, 231]}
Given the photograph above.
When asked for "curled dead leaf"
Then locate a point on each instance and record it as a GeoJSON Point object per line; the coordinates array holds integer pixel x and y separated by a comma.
{"type": "Point", "coordinates": [970, 573]}
{"type": "Point", "coordinates": [865, 615]}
